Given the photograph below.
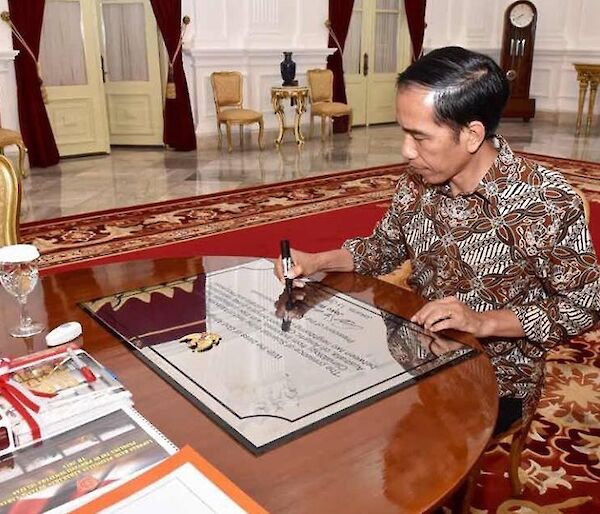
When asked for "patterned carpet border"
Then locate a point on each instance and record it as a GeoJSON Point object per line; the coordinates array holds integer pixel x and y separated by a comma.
{"type": "Point", "coordinates": [121, 231]}
{"type": "Point", "coordinates": [76, 238]}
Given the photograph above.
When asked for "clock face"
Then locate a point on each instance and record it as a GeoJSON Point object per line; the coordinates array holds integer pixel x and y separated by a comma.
{"type": "Point", "coordinates": [521, 15]}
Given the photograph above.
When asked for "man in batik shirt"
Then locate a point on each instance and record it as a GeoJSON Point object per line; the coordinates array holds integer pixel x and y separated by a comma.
{"type": "Point", "coordinates": [498, 244]}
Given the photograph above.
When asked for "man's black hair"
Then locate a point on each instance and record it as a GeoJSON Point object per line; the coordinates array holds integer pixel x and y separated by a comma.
{"type": "Point", "coordinates": [467, 87]}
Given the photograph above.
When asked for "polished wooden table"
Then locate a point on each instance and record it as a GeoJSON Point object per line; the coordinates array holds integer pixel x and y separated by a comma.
{"type": "Point", "coordinates": [404, 453]}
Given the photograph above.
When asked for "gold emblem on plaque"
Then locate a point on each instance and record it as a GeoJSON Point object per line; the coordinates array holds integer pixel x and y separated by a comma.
{"type": "Point", "coordinates": [201, 341]}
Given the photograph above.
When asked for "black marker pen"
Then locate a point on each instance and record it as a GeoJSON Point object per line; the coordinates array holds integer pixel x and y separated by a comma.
{"type": "Point", "coordinates": [286, 261]}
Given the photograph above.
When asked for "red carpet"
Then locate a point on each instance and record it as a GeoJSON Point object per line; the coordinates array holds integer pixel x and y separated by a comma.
{"type": "Point", "coordinates": [314, 213]}
{"type": "Point", "coordinates": [561, 463]}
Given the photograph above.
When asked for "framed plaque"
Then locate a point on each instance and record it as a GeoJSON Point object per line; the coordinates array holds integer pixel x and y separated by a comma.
{"type": "Point", "coordinates": [264, 372]}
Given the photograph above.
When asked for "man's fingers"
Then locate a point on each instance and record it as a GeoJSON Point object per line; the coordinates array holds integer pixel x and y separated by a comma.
{"type": "Point", "coordinates": [437, 318]}
{"type": "Point", "coordinates": [442, 308]}
{"type": "Point", "coordinates": [279, 269]}
{"type": "Point", "coordinates": [443, 324]}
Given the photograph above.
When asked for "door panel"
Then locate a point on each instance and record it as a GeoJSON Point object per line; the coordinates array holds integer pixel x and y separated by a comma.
{"type": "Point", "coordinates": [76, 106]}
{"type": "Point", "coordinates": [356, 91]}
{"type": "Point", "coordinates": [376, 49]}
{"type": "Point", "coordinates": [132, 72]}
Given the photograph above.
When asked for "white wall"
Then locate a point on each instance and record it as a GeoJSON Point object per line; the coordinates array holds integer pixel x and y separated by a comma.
{"type": "Point", "coordinates": [8, 90]}
{"type": "Point", "coordinates": [567, 32]}
{"type": "Point", "coordinates": [249, 36]}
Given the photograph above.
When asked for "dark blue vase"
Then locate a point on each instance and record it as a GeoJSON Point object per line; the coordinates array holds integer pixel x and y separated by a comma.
{"type": "Point", "coordinates": [288, 70]}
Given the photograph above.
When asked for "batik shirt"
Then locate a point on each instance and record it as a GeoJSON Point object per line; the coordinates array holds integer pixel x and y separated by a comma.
{"type": "Point", "coordinates": [519, 241]}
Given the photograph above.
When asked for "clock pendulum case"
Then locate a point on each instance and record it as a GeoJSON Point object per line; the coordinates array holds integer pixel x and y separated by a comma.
{"type": "Point", "coordinates": [516, 59]}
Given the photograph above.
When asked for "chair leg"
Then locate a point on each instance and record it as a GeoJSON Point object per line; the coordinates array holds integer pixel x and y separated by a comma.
{"type": "Point", "coordinates": [241, 135]}
{"type": "Point", "coordinates": [220, 134]}
{"type": "Point", "coordinates": [469, 488]}
{"type": "Point", "coordinates": [228, 131]}
{"type": "Point", "coordinates": [260, 134]}
{"type": "Point", "coordinates": [350, 125]}
{"type": "Point", "coordinates": [22, 153]}
{"type": "Point", "coordinates": [323, 127]}
{"type": "Point", "coordinates": [312, 125]}
{"type": "Point", "coordinates": [516, 449]}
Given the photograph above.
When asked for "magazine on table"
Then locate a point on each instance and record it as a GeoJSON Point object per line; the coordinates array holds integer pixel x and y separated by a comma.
{"type": "Point", "coordinates": [49, 392]}
{"type": "Point", "coordinates": [60, 473]}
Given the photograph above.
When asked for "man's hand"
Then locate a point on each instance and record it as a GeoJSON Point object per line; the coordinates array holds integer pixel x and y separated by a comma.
{"type": "Point", "coordinates": [449, 313]}
{"type": "Point", "coordinates": [306, 264]}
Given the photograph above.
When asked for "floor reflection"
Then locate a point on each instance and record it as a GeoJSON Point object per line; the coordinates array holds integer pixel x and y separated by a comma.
{"type": "Point", "coordinates": [135, 176]}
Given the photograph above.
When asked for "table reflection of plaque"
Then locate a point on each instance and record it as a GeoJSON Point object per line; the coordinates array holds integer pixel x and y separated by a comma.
{"type": "Point", "coordinates": [262, 383]}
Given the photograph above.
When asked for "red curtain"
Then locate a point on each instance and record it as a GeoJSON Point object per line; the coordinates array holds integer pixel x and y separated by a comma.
{"type": "Point", "coordinates": [340, 13]}
{"type": "Point", "coordinates": [27, 17]}
{"type": "Point", "coordinates": [415, 14]}
{"type": "Point", "coordinates": [179, 131]}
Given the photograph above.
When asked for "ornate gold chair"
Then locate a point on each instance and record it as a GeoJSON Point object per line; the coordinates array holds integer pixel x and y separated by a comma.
{"type": "Point", "coordinates": [12, 137]}
{"type": "Point", "coordinates": [519, 430]}
{"type": "Point", "coordinates": [320, 83]}
{"type": "Point", "coordinates": [10, 203]}
{"type": "Point", "coordinates": [227, 89]}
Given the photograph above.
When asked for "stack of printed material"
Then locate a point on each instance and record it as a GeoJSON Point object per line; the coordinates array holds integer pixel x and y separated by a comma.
{"type": "Point", "coordinates": [50, 392]}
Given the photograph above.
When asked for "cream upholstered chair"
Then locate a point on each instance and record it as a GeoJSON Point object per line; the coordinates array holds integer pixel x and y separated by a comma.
{"type": "Point", "coordinates": [10, 203]}
{"type": "Point", "coordinates": [11, 137]}
{"type": "Point", "coordinates": [519, 430]}
{"type": "Point", "coordinates": [320, 83]}
{"type": "Point", "coordinates": [227, 89]}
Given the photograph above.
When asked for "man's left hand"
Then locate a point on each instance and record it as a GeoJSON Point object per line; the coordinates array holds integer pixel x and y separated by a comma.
{"type": "Point", "coordinates": [448, 313]}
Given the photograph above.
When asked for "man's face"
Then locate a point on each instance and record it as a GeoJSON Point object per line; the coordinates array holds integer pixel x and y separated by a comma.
{"type": "Point", "coordinates": [435, 151]}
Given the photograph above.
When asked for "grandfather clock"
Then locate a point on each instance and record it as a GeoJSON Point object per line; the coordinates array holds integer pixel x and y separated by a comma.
{"type": "Point", "coordinates": [516, 59]}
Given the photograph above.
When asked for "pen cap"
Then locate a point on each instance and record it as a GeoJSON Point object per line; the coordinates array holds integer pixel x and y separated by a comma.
{"type": "Point", "coordinates": [285, 248]}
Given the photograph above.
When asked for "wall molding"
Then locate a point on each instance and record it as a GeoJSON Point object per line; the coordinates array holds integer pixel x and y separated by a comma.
{"type": "Point", "coordinates": [7, 58]}
{"type": "Point", "coordinates": [8, 90]}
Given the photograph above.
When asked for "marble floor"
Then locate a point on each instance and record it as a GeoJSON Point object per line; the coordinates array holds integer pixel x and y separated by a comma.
{"type": "Point", "coordinates": [135, 176]}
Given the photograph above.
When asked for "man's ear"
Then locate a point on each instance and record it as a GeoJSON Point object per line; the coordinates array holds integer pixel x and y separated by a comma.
{"type": "Point", "coordinates": [473, 136]}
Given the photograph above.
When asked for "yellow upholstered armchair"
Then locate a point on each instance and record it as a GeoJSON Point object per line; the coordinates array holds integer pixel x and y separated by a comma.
{"type": "Point", "coordinates": [10, 203]}
{"type": "Point", "coordinates": [227, 89]}
{"type": "Point", "coordinates": [10, 137]}
{"type": "Point", "coordinates": [320, 83]}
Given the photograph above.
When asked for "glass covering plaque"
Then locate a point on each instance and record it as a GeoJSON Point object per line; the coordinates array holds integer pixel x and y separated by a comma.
{"type": "Point", "coordinates": [263, 372]}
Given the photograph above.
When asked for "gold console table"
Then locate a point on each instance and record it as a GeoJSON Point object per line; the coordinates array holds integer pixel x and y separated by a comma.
{"type": "Point", "coordinates": [587, 74]}
{"type": "Point", "coordinates": [298, 96]}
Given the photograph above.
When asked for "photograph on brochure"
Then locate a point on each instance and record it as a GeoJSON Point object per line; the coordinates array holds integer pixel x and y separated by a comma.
{"type": "Point", "coordinates": [87, 458]}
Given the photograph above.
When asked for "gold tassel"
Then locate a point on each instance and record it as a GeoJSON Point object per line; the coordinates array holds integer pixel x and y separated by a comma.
{"type": "Point", "coordinates": [171, 92]}
{"type": "Point", "coordinates": [42, 86]}
{"type": "Point", "coordinates": [44, 92]}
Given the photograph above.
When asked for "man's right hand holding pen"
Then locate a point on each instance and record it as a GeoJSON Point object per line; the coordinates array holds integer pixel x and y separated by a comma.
{"type": "Point", "coordinates": [306, 264]}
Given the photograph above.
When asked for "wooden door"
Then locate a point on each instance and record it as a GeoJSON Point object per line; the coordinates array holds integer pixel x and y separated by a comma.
{"type": "Point", "coordinates": [131, 72]}
{"type": "Point", "coordinates": [377, 49]}
{"type": "Point", "coordinates": [70, 63]}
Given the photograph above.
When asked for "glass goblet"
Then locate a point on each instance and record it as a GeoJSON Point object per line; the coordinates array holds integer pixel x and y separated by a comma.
{"type": "Point", "coordinates": [19, 276]}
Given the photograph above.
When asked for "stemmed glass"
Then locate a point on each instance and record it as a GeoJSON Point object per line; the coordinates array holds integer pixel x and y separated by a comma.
{"type": "Point", "coordinates": [19, 275]}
